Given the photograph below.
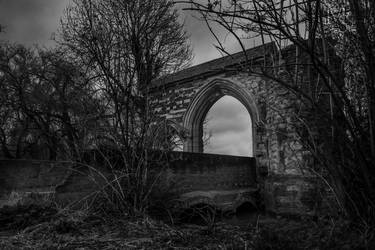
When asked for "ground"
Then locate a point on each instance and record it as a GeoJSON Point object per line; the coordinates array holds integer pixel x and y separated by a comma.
{"type": "Point", "coordinates": [33, 227]}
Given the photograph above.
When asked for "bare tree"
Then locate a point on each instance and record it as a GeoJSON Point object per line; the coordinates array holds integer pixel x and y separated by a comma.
{"type": "Point", "coordinates": [334, 52]}
{"type": "Point", "coordinates": [46, 103]}
{"type": "Point", "coordinates": [124, 45]}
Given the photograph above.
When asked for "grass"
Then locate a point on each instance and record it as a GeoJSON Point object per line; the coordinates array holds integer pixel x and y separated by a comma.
{"type": "Point", "coordinates": [63, 229]}
{"type": "Point", "coordinates": [81, 230]}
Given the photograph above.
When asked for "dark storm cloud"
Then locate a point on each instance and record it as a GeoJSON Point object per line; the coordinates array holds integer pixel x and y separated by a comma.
{"type": "Point", "coordinates": [30, 21]}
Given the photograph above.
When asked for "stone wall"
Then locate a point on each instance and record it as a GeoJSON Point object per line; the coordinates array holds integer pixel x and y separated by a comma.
{"type": "Point", "coordinates": [184, 98]}
{"type": "Point", "coordinates": [34, 181]}
{"type": "Point", "coordinates": [203, 172]}
{"type": "Point", "coordinates": [223, 181]}
{"type": "Point", "coordinates": [187, 95]}
{"type": "Point", "coordinates": [292, 193]}
{"type": "Point", "coordinates": [276, 145]}
{"type": "Point", "coordinates": [25, 181]}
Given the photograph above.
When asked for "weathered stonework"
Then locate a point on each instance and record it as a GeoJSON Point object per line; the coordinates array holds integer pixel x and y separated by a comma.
{"type": "Point", "coordinates": [275, 144]}
{"type": "Point", "coordinates": [34, 181]}
{"type": "Point", "coordinates": [184, 98]}
{"type": "Point", "coordinates": [223, 181]}
{"type": "Point", "coordinates": [220, 180]}
{"type": "Point", "coordinates": [23, 181]}
{"type": "Point", "coordinates": [292, 193]}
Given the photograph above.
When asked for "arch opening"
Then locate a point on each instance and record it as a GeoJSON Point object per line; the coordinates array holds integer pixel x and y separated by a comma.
{"type": "Point", "coordinates": [206, 97]}
{"type": "Point", "coordinates": [227, 128]}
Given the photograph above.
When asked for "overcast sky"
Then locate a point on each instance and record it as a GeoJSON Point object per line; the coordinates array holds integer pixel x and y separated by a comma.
{"type": "Point", "coordinates": [33, 21]}
{"type": "Point", "coordinates": [228, 121]}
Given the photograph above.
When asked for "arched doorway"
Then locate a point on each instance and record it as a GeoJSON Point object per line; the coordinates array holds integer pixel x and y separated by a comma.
{"type": "Point", "coordinates": [227, 128]}
{"type": "Point", "coordinates": [203, 101]}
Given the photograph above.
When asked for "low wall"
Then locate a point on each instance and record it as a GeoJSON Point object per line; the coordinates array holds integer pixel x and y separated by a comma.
{"type": "Point", "coordinates": [197, 171]}
{"type": "Point", "coordinates": [224, 180]}
{"type": "Point", "coordinates": [25, 180]}
{"type": "Point", "coordinates": [298, 195]}
{"type": "Point", "coordinates": [34, 181]}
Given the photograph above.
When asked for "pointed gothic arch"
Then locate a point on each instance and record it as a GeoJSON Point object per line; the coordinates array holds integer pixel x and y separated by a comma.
{"type": "Point", "coordinates": [203, 101]}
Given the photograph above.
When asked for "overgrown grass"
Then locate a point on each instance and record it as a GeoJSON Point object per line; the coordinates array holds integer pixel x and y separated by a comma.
{"type": "Point", "coordinates": [119, 218]}
{"type": "Point", "coordinates": [84, 229]}
{"type": "Point", "coordinates": [87, 230]}
{"type": "Point", "coordinates": [116, 182]}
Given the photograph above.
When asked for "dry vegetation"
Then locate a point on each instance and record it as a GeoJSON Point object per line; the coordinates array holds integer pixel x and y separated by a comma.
{"type": "Point", "coordinates": [87, 93]}
{"type": "Point", "coordinates": [33, 227]}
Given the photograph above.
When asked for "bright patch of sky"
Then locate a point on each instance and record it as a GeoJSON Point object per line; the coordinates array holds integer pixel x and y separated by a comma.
{"type": "Point", "coordinates": [228, 125]}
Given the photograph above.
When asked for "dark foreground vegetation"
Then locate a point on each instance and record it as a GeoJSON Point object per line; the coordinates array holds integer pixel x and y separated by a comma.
{"type": "Point", "coordinates": [47, 227]}
{"type": "Point", "coordinates": [330, 74]}
{"type": "Point", "coordinates": [88, 91]}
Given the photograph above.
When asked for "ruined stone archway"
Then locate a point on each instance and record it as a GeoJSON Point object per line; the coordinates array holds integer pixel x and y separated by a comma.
{"type": "Point", "coordinates": [186, 96]}
{"type": "Point", "coordinates": [203, 101]}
